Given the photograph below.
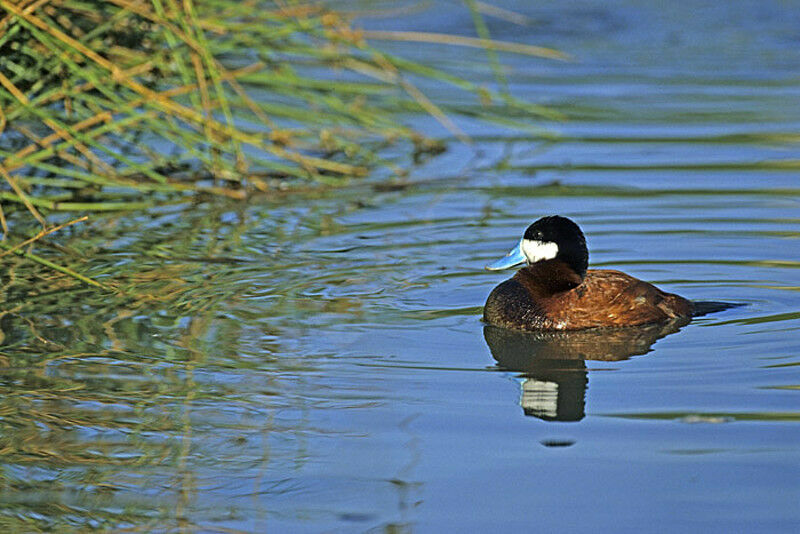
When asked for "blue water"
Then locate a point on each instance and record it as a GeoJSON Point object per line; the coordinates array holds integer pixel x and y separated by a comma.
{"type": "Point", "coordinates": [325, 369]}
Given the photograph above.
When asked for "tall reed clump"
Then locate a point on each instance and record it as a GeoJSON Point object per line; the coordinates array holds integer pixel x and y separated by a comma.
{"type": "Point", "coordinates": [120, 104]}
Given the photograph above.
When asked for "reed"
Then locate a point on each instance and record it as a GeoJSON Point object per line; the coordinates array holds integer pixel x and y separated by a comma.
{"type": "Point", "coordinates": [123, 104]}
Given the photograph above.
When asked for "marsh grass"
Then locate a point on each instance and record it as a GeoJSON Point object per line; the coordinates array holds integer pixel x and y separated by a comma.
{"type": "Point", "coordinates": [115, 104]}
{"type": "Point", "coordinates": [110, 105]}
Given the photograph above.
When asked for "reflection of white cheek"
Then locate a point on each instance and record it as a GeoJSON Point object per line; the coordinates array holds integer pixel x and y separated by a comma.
{"type": "Point", "coordinates": [540, 397]}
{"type": "Point", "coordinates": [539, 250]}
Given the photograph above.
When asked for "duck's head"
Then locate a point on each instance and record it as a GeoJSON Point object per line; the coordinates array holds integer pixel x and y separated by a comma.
{"type": "Point", "coordinates": [549, 238]}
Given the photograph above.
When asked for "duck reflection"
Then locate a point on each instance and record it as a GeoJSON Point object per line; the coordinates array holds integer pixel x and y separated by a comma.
{"type": "Point", "coordinates": [553, 364]}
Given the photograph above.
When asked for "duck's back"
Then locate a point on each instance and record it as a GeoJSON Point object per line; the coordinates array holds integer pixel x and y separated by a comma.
{"type": "Point", "coordinates": [605, 298]}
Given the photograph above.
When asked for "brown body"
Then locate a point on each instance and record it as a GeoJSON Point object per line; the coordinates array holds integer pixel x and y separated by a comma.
{"type": "Point", "coordinates": [549, 295]}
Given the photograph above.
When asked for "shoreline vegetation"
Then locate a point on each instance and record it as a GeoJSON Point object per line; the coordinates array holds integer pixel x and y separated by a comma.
{"type": "Point", "coordinates": [119, 105]}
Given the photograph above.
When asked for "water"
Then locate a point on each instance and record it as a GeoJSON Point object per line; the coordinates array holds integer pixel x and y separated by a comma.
{"type": "Point", "coordinates": [316, 362]}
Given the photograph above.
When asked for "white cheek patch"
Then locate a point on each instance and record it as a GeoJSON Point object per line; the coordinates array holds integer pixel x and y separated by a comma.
{"type": "Point", "coordinates": [539, 250]}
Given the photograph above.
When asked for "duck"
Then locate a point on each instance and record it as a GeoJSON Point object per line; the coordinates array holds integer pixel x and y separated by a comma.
{"type": "Point", "coordinates": [556, 290]}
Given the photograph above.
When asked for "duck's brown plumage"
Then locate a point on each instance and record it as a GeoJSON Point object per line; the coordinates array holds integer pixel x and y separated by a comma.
{"type": "Point", "coordinates": [549, 295]}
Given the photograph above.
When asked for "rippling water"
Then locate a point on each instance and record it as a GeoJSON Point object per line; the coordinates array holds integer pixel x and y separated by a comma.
{"type": "Point", "coordinates": [325, 368]}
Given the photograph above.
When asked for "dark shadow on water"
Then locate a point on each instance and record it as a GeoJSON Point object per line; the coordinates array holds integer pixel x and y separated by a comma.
{"type": "Point", "coordinates": [553, 364]}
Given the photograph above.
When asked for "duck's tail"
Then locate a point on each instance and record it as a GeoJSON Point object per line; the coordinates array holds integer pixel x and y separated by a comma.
{"type": "Point", "coordinates": [705, 307]}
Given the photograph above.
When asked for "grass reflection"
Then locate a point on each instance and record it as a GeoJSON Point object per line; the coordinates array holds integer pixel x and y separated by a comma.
{"type": "Point", "coordinates": [182, 399]}
{"type": "Point", "coordinates": [117, 409]}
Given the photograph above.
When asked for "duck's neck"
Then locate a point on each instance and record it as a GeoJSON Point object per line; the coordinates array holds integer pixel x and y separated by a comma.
{"type": "Point", "coordinates": [548, 277]}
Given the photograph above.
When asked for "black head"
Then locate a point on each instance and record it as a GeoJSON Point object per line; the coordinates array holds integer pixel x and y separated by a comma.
{"type": "Point", "coordinates": [556, 237]}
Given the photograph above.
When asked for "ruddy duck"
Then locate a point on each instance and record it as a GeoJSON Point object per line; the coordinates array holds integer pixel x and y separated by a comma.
{"type": "Point", "coordinates": [555, 291]}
